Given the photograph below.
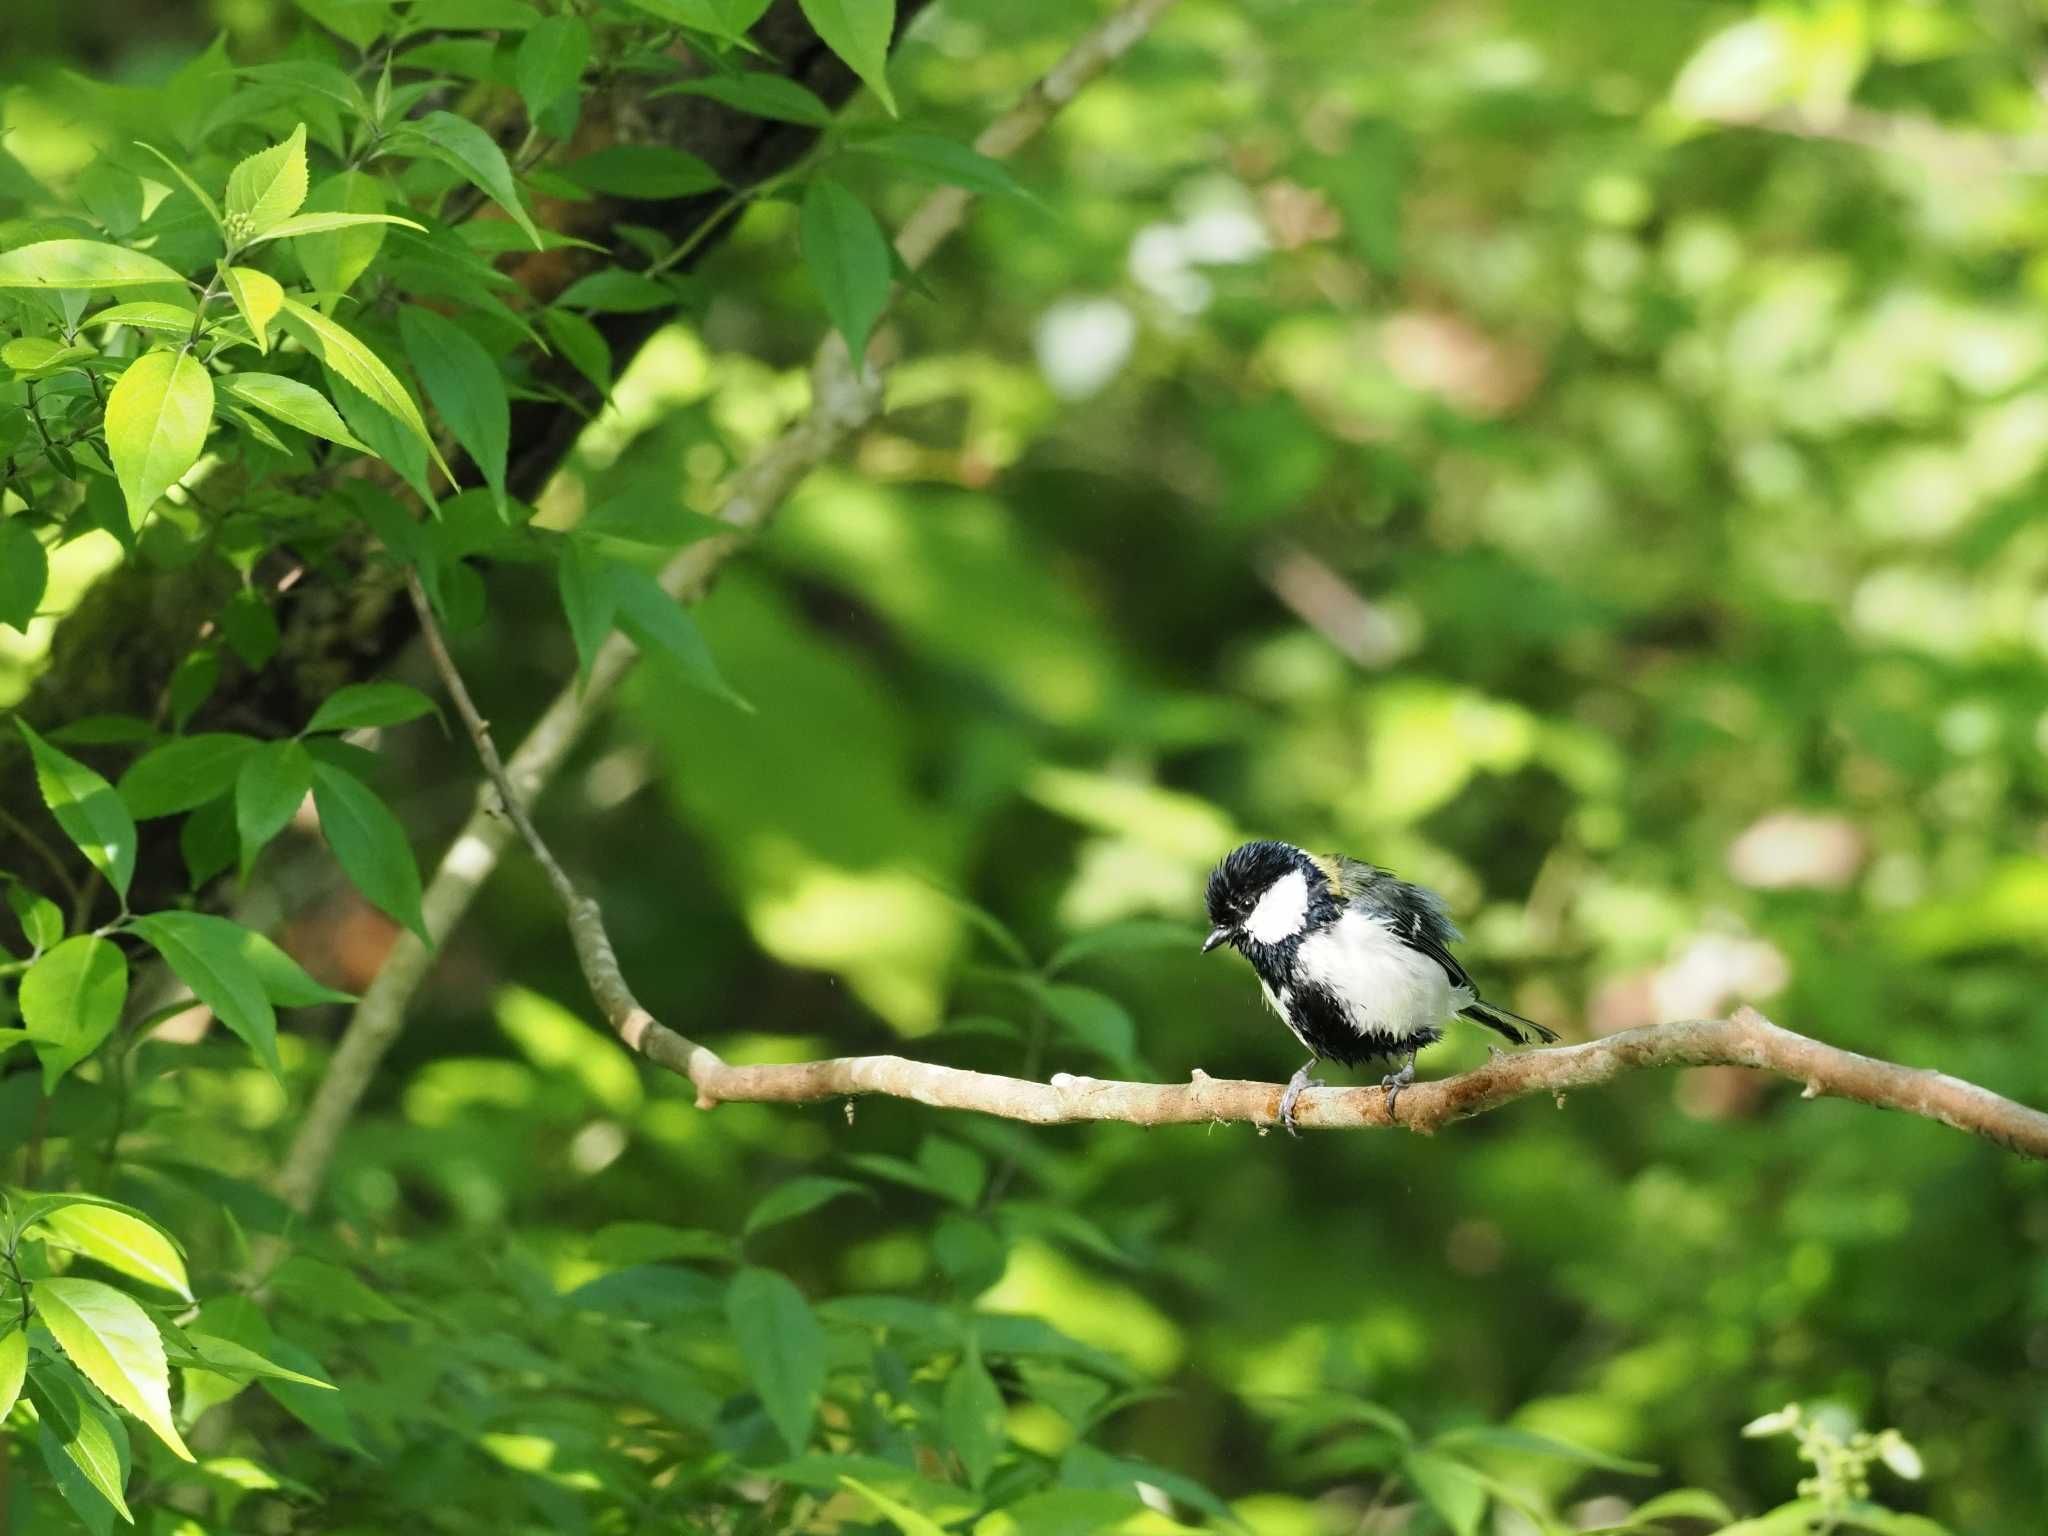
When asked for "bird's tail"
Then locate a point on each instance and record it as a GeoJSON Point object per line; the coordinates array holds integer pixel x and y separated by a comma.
{"type": "Point", "coordinates": [1505, 1021]}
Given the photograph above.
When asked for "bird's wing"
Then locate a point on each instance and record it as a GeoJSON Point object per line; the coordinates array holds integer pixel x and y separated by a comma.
{"type": "Point", "coordinates": [1415, 913]}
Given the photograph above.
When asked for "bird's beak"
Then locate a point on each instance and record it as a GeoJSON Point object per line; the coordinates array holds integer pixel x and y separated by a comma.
{"type": "Point", "coordinates": [1218, 935]}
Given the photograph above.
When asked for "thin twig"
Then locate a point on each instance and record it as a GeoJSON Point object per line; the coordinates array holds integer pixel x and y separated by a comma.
{"type": "Point", "coordinates": [844, 398]}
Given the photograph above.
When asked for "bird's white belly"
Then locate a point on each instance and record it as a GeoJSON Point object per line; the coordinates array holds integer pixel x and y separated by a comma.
{"type": "Point", "coordinates": [1383, 986]}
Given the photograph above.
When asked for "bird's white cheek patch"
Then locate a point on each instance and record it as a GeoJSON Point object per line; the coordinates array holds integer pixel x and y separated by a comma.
{"type": "Point", "coordinates": [1282, 912]}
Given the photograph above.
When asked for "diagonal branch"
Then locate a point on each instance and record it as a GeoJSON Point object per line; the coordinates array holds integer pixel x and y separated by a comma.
{"type": "Point", "coordinates": [844, 398]}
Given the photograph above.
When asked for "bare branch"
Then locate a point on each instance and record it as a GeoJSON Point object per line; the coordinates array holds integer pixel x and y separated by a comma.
{"type": "Point", "coordinates": [843, 399]}
{"type": "Point", "coordinates": [1746, 1040]}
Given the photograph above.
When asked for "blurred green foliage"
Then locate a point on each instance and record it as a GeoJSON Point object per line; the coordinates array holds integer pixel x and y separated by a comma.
{"type": "Point", "coordinates": [1587, 457]}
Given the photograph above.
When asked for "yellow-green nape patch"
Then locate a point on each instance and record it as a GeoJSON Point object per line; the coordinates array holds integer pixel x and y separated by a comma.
{"type": "Point", "coordinates": [1332, 868]}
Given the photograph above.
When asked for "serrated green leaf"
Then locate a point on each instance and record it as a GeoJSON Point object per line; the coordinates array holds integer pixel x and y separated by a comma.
{"type": "Point", "coordinates": [82, 1441]}
{"type": "Point", "coordinates": [858, 31]}
{"type": "Point", "coordinates": [848, 259]}
{"type": "Point", "coordinates": [113, 1342]}
{"type": "Point", "coordinates": [465, 385]}
{"type": "Point", "coordinates": [783, 1347]}
{"type": "Point", "coordinates": [87, 264]}
{"type": "Point", "coordinates": [153, 315]}
{"type": "Point", "coordinates": [357, 705]}
{"type": "Point", "coordinates": [258, 296]}
{"type": "Point", "coordinates": [157, 419]}
{"type": "Point", "coordinates": [369, 844]}
{"type": "Point", "coordinates": [40, 357]}
{"type": "Point", "coordinates": [267, 188]}
{"type": "Point", "coordinates": [321, 223]}
{"type": "Point", "coordinates": [122, 1242]}
{"type": "Point", "coordinates": [70, 1001]}
{"type": "Point", "coordinates": [211, 956]}
{"type": "Point", "coordinates": [468, 149]}
{"type": "Point", "coordinates": [353, 360]}
{"type": "Point", "coordinates": [87, 808]}
{"type": "Point", "coordinates": [294, 404]}
{"type": "Point", "coordinates": [184, 772]}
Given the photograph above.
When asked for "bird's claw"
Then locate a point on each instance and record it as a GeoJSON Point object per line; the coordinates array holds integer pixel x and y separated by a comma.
{"type": "Point", "coordinates": [1295, 1084]}
{"type": "Point", "coordinates": [1394, 1082]}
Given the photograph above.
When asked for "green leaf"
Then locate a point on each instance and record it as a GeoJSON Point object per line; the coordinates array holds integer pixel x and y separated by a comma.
{"type": "Point", "coordinates": [465, 385]}
{"type": "Point", "coordinates": [973, 1412]}
{"type": "Point", "coordinates": [727, 19]}
{"type": "Point", "coordinates": [550, 62]}
{"type": "Point", "coordinates": [228, 1358]}
{"type": "Point", "coordinates": [648, 171]}
{"type": "Point", "coordinates": [211, 956]}
{"type": "Point", "coordinates": [799, 1197]}
{"type": "Point", "coordinates": [82, 1440]}
{"type": "Point", "coordinates": [113, 1342]}
{"type": "Point", "coordinates": [283, 979]}
{"type": "Point", "coordinates": [659, 624]}
{"type": "Point", "coordinates": [87, 808]}
{"type": "Point", "coordinates": [347, 355]}
{"type": "Point", "coordinates": [13, 1368]}
{"type": "Point", "coordinates": [70, 1001]}
{"type": "Point", "coordinates": [198, 192]}
{"type": "Point", "coordinates": [357, 705]}
{"type": "Point", "coordinates": [184, 772]}
{"type": "Point", "coordinates": [41, 923]}
{"type": "Point", "coordinates": [42, 357]}
{"type": "Point", "coordinates": [120, 1241]}
{"type": "Point", "coordinates": [157, 419]}
{"type": "Point", "coordinates": [333, 261]}
{"type": "Point", "coordinates": [1121, 938]}
{"type": "Point", "coordinates": [321, 223]}
{"type": "Point", "coordinates": [761, 95]}
{"type": "Point", "coordinates": [369, 844]}
{"type": "Point", "coordinates": [1091, 1019]}
{"type": "Point", "coordinates": [24, 573]}
{"type": "Point", "coordinates": [90, 264]}
{"type": "Point", "coordinates": [582, 344]}
{"type": "Point", "coordinates": [616, 292]}
{"type": "Point", "coordinates": [1500, 1437]}
{"type": "Point", "coordinates": [859, 32]}
{"type": "Point", "coordinates": [946, 160]}
{"type": "Point", "coordinates": [1450, 1488]}
{"type": "Point", "coordinates": [589, 601]}
{"type": "Point", "coordinates": [269, 791]}
{"type": "Point", "coordinates": [469, 150]}
{"type": "Point", "coordinates": [267, 188]}
{"type": "Point", "coordinates": [848, 259]}
{"type": "Point", "coordinates": [294, 404]}
{"type": "Point", "coordinates": [309, 1397]}
{"type": "Point", "coordinates": [783, 1347]}
{"type": "Point", "coordinates": [909, 1521]}
{"type": "Point", "coordinates": [258, 296]}
{"type": "Point", "coordinates": [152, 315]}
{"type": "Point", "coordinates": [250, 628]}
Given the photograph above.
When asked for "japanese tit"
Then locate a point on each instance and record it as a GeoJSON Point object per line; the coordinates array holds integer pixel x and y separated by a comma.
{"type": "Point", "coordinates": [1355, 962]}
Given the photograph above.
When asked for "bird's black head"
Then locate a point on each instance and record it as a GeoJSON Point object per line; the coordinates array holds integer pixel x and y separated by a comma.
{"type": "Point", "coordinates": [1266, 894]}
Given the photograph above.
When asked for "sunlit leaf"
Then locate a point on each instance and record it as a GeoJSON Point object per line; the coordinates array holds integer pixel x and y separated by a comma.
{"type": "Point", "coordinates": [858, 31]}
{"type": "Point", "coordinates": [289, 401]}
{"type": "Point", "coordinates": [87, 808]}
{"type": "Point", "coordinates": [71, 1000]}
{"type": "Point", "coordinates": [158, 414]}
{"type": "Point", "coordinates": [89, 264]}
{"type": "Point", "coordinates": [113, 1342]}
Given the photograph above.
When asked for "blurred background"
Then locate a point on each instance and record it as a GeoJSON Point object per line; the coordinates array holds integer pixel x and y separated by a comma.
{"type": "Point", "coordinates": [1585, 456]}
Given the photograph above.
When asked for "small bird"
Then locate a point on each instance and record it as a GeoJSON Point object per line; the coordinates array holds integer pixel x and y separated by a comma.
{"type": "Point", "coordinates": [1356, 962]}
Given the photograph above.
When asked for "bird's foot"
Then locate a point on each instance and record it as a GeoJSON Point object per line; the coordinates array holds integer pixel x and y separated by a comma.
{"type": "Point", "coordinates": [1295, 1084]}
{"type": "Point", "coordinates": [1394, 1082]}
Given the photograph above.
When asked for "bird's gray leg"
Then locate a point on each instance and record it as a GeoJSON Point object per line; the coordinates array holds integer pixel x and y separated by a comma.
{"type": "Point", "coordinates": [1394, 1082]}
{"type": "Point", "coordinates": [1295, 1084]}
